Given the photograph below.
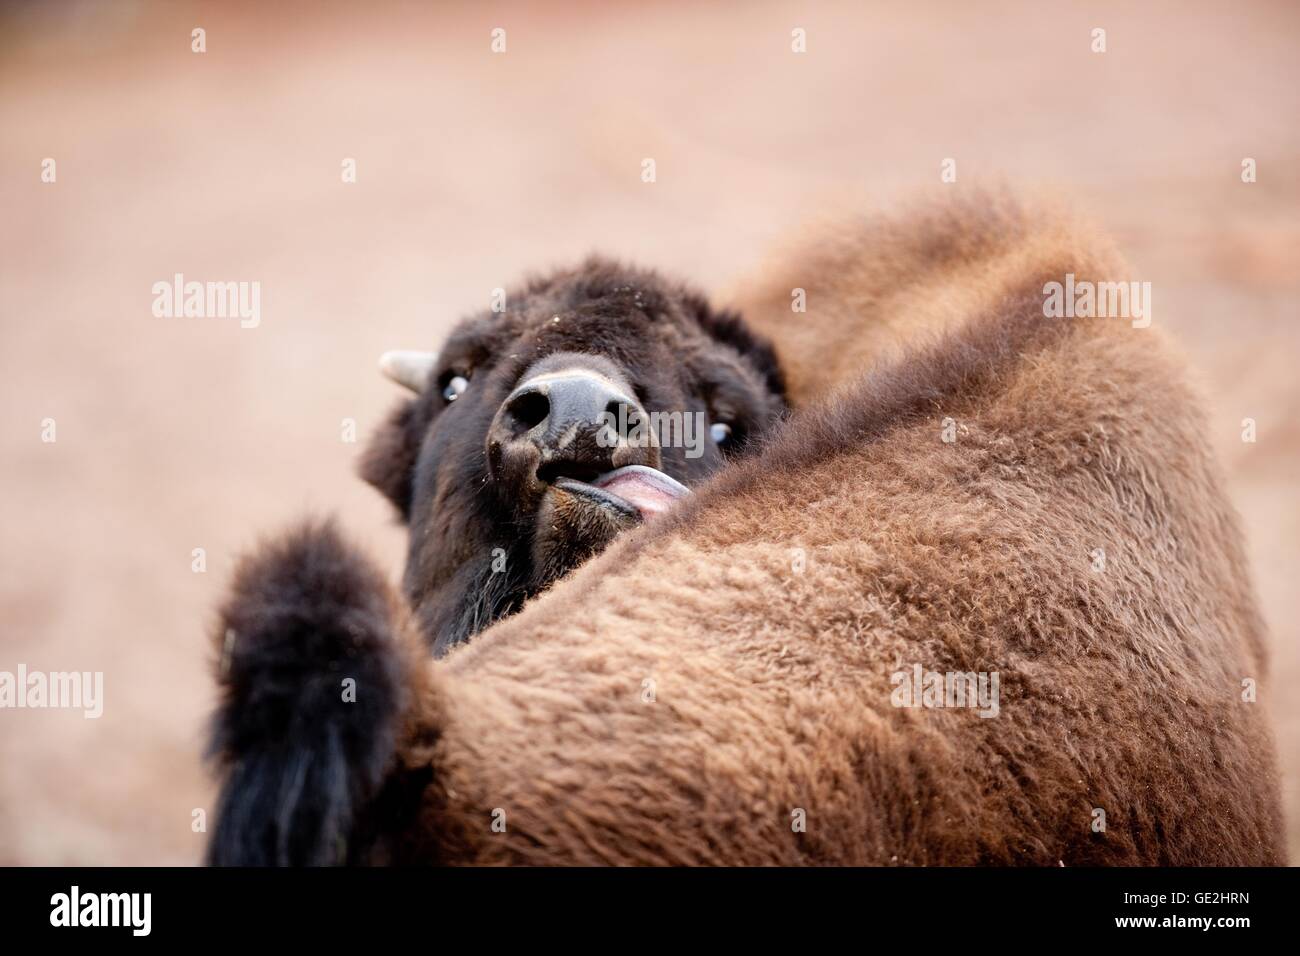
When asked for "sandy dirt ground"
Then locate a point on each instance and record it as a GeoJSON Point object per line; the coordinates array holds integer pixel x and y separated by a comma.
{"type": "Point", "coordinates": [472, 168]}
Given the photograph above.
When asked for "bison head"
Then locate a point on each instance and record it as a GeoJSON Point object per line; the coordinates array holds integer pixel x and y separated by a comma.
{"type": "Point", "coordinates": [589, 404]}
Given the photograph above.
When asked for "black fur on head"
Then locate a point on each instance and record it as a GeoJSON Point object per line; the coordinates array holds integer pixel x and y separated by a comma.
{"type": "Point", "coordinates": [495, 464]}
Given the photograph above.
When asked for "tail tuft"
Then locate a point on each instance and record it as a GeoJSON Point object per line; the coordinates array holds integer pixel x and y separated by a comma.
{"type": "Point", "coordinates": [311, 690]}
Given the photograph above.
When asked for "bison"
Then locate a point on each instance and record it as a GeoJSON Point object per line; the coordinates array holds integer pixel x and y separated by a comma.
{"type": "Point", "coordinates": [536, 434]}
{"type": "Point", "coordinates": [965, 486]}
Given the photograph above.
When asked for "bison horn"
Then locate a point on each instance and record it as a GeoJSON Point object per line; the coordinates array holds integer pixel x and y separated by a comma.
{"type": "Point", "coordinates": [408, 368]}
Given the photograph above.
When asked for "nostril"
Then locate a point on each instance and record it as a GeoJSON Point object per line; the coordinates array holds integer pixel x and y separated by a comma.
{"type": "Point", "coordinates": [622, 416]}
{"type": "Point", "coordinates": [529, 409]}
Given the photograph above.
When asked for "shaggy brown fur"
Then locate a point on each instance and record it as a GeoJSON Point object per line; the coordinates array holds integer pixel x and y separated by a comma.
{"type": "Point", "coordinates": [681, 698]}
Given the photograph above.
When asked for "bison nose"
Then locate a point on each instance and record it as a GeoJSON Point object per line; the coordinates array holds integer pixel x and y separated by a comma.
{"type": "Point", "coordinates": [573, 423]}
{"type": "Point", "coordinates": [559, 404]}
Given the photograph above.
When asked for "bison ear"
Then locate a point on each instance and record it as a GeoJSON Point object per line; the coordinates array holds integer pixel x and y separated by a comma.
{"type": "Point", "coordinates": [388, 462]}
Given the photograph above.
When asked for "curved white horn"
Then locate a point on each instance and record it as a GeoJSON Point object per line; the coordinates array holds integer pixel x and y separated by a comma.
{"type": "Point", "coordinates": [408, 368]}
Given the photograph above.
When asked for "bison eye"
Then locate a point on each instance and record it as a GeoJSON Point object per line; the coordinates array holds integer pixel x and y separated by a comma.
{"type": "Point", "coordinates": [455, 387]}
{"type": "Point", "coordinates": [720, 432]}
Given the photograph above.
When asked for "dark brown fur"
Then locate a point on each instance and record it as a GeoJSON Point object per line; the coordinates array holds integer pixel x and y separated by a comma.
{"type": "Point", "coordinates": [299, 763]}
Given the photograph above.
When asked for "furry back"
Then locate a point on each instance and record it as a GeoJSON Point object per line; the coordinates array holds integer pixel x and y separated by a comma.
{"type": "Point", "coordinates": [969, 487]}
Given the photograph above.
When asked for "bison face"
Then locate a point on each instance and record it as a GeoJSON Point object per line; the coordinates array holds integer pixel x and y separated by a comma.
{"type": "Point", "coordinates": [592, 403]}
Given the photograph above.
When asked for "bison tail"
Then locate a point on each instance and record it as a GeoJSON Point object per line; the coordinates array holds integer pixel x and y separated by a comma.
{"type": "Point", "coordinates": [311, 693]}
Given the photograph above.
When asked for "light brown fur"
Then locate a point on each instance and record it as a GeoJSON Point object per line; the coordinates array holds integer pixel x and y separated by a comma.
{"type": "Point", "coordinates": [1121, 689]}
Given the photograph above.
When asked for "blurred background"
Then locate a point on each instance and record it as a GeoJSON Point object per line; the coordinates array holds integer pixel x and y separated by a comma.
{"type": "Point", "coordinates": [473, 167]}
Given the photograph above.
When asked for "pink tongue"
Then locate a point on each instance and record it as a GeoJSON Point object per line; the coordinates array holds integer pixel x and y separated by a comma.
{"type": "Point", "coordinates": [651, 492]}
